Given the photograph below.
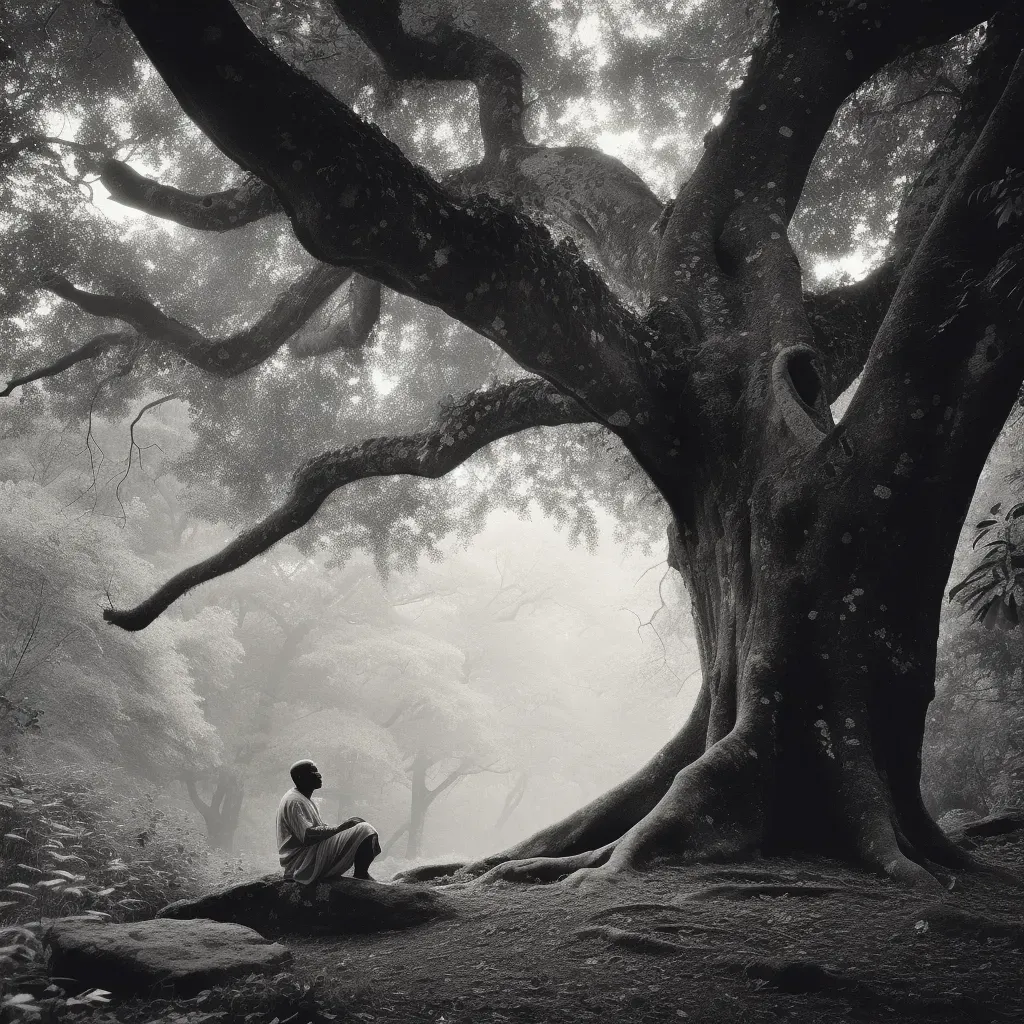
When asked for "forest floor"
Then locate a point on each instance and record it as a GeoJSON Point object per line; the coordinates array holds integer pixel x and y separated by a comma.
{"type": "Point", "coordinates": [699, 943]}
{"type": "Point", "coordinates": [775, 940]}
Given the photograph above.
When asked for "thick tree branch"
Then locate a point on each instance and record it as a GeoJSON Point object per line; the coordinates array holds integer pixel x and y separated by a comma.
{"type": "Point", "coordinates": [225, 357]}
{"type": "Point", "coordinates": [947, 363]}
{"type": "Point", "coordinates": [193, 792]}
{"type": "Point", "coordinates": [460, 771]}
{"type": "Point", "coordinates": [846, 319]}
{"type": "Point", "coordinates": [216, 211]}
{"type": "Point", "coordinates": [351, 332]}
{"type": "Point", "coordinates": [464, 428]}
{"type": "Point", "coordinates": [92, 349]}
{"type": "Point", "coordinates": [449, 55]}
{"type": "Point", "coordinates": [355, 200]}
{"type": "Point", "coordinates": [755, 163]}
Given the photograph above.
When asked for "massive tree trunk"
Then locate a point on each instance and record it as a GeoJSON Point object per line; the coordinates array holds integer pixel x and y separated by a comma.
{"type": "Point", "coordinates": [816, 554]}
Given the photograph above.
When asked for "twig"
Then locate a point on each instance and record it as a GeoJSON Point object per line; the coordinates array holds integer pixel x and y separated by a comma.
{"type": "Point", "coordinates": [132, 446]}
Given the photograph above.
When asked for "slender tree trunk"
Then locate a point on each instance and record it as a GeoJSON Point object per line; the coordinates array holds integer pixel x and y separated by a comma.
{"type": "Point", "coordinates": [513, 799]}
{"type": "Point", "coordinates": [221, 815]}
{"type": "Point", "coordinates": [418, 806]}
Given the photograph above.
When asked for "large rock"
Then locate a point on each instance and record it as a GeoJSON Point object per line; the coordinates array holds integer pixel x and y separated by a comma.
{"type": "Point", "coordinates": [188, 956]}
{"type": "Point", "coordinates": [277, 906]}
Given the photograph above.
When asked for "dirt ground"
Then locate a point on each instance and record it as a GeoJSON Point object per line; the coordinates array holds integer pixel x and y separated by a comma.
{"type": "Point", "coordinates": [804, 941]}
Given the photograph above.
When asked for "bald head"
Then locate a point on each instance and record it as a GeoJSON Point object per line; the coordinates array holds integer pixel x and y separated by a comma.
{"type": "Point", "coordinates": [305, 775]}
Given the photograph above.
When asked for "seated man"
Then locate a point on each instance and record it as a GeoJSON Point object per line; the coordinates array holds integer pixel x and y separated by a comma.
{"type": "Point", "coordinates": [311, 851]}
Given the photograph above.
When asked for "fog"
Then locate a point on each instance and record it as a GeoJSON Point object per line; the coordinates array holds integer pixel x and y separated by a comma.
{"type": "Point", "coordinates": [541, 679]}
{"type": "Point", "coordinates": [518, 671]}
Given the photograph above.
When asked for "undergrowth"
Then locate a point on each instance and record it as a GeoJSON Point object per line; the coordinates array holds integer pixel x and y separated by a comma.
{"type": "Point", "coordinates": [80, 842]}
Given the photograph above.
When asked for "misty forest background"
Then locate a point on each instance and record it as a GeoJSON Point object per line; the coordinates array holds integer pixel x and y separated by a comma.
{"type": "Point", "coordinates": [467, 659]}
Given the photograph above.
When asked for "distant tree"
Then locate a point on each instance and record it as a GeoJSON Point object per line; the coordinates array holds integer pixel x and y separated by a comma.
{"type": "Point", "coordinates": [252, 698]}
{"type": "Point", "coordinates": [816, 554]}
{"type": "Point", "coordinates": [413, 686]}
{"type": "Point", "coordinates": [558, 662]}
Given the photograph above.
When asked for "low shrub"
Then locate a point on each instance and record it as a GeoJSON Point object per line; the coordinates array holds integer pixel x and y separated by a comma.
{"type": "Point", "coordinates": [89, 845]}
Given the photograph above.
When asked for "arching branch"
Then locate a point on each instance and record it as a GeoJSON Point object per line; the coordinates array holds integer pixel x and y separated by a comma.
{"type": "Point", "coordinates": [464, 428]}
{"type": "Point", "coordinates": [92, 349]}
{"type": "Point", "coordinates": [216, 211]}
{"type": "Point", "coordinates": [951, 337]}
{"type": "Point", "coordinates": [225, 357]}
{"type": "Point", "coordinates": [356, 200]}
{"type": "Point", "coordinates": [450, 54]}
{"type": "Point", "coordinates": [605, 207]}
{"type": "Point", "coordinates": [460, 771]}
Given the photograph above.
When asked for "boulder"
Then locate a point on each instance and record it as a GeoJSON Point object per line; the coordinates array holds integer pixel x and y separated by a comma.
{"type": "Point", "coordinates": [187, 956]}
{"type": "Point", "coordinates": [278, 906]}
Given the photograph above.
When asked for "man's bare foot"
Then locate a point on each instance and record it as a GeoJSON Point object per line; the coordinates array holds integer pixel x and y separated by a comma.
{"type": "Point", "coordinates": [365, 875]}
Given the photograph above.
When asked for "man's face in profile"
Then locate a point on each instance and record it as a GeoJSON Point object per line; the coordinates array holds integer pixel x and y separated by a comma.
{"type": "Point", "coordinates": [311, 777]}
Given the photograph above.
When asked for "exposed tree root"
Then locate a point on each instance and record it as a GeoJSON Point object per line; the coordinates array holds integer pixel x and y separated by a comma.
{"type": "Point", "coordinates": [431, 872]}
{"type": "Point", "coordinates": [692, 928]}
{"type": "Point", "coordinates": [629, 912]}
{"type": "Point", "coordinates": [602, 821]}
{"type": "Point", "coordinates": [633, 908]}
{"type": "Point", "coordinates": [715, 808]}
{"type": "Point", "coordinates": [711, 811]}
{"type": "Point", "coordinates": [634, 940]}
{"type": "Point", "coordinates": [994, 825]}
{"type": "Point", "coordinates": [545, 869]}
{"type": "Point", "coordinates": [958, 923]}
{"type": "Point", "coordinates": [730, 891]}
{"type": "Point", "coordinates": [878, 842]}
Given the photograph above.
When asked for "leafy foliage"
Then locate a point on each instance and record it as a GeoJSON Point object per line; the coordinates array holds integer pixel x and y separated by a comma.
{"type": "Point", "coordinates": [994, 588]}
{"type": "Point", "coordinates": [89, 843]}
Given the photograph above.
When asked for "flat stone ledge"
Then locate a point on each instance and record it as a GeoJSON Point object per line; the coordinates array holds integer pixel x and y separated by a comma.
{"type": "Point", "coordinates": [186, 956]}
{"type": "Point", "coordinates": [274, 905]}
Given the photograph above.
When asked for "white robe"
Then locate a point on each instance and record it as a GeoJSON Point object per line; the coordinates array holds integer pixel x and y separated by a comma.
{"type": "Point", "coordinates": [317, 861]}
